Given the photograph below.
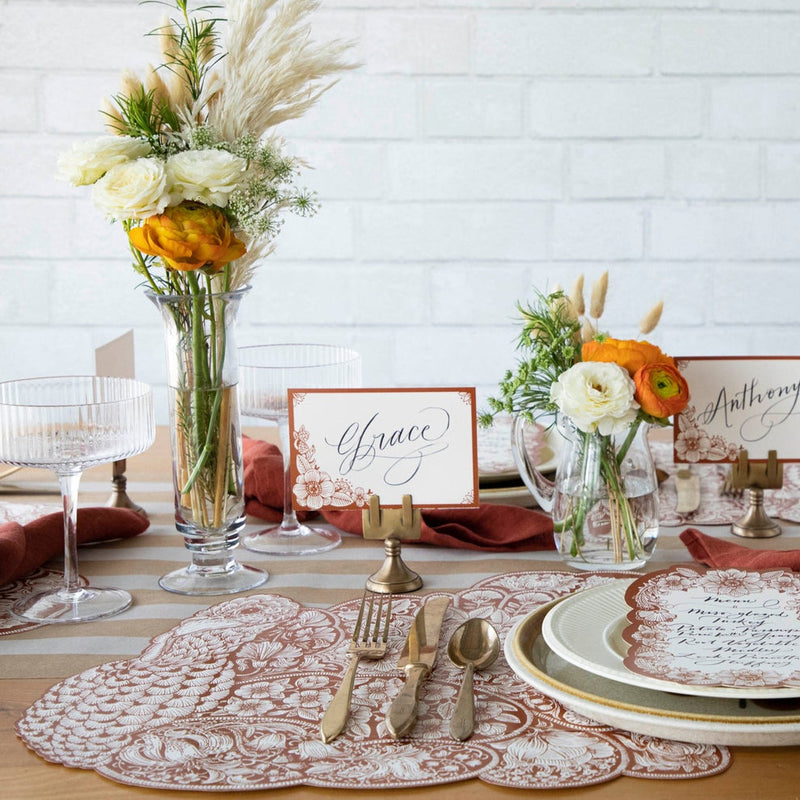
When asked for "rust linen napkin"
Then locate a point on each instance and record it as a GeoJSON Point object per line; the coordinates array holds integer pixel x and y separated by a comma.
{"type": "Point", "coordinates": [489, 527]}
{"type": "Point", "coordinates": [23, 548]}
{"type": "Point", "coordinates": [720, 554]}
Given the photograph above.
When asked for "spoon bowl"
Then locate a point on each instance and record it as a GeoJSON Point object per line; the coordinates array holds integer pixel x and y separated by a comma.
{"type": "Point", "coordinates": [474, 645]}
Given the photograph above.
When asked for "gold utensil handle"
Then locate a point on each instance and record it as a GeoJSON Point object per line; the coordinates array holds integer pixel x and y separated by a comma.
{"type": "Point", "coordinates": [335, 717]}
{"type": "Point", "coordinates": [462, 725]}
{"type": "Point", "coordinates": [403, 712]}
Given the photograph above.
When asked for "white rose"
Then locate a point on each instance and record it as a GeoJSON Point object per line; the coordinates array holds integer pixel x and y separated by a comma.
{"type": "Point", "coordinates": [206, 176]}
{"type": "Point", "coordinates": [135, 190]}
{"type": "Point", "coordinates": [88, 161]}
{"type": "Point", "coordinates": [596, 396]}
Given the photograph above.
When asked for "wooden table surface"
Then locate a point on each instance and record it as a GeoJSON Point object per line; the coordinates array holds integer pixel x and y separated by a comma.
{"type": "Point", "coordinates": [32, 661]}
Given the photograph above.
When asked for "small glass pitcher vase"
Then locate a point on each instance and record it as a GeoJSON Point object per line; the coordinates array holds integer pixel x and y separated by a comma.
{"type": "Point", "coordinates": [604, 498]}
{"type": "Point", "coordinates": [205, 433]}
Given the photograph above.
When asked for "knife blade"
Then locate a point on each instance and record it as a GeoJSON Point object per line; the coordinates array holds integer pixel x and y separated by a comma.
{"type": "Point", "coordinates": [416, 660]}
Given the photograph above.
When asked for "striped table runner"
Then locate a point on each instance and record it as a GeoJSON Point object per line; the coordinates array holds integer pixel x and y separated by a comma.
{"type": "Point", "coordinates": [57, 651]}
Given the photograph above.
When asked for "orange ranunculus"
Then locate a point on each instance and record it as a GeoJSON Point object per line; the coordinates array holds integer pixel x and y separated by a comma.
{"type": "Point", "coordinates": [187, 237]}
{"type": "Point", "coordinates": [630, 354]}
{"type": "Point", "coordinates": [661, 390]}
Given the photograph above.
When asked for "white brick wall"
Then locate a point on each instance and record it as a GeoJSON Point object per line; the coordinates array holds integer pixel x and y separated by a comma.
{"type": "Point", "coordinates": [484, 147]}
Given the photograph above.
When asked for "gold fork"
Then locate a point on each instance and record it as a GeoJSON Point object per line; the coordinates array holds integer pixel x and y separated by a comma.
{"type": "Point", "coordinates": [369, 641]}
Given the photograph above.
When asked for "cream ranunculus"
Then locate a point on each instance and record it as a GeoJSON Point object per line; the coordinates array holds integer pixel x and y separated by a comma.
{"type": "Point", "coordinates": [205, 176]}
{"type": "Point", "coordinates": [135, 190]}
{"type": "Point", "coordinates": [596, 396]}
{"type": "Point", "coordinates": [88, 161]}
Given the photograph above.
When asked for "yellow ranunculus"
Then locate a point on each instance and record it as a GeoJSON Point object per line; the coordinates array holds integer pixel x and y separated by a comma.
{"type": "Point", "coordinates": [188, 237]}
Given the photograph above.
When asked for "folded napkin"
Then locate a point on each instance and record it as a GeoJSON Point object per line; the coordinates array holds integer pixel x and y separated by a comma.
{"type": "Point", "coordinates": [720, 554]}
{"type": "Point", "coordinates": [489, 527]}
{"type": "Point", "coordinates": [23, 548]}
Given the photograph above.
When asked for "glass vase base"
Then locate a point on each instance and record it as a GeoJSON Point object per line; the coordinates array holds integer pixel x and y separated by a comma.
{"type": "Point", "coordinates": [301, 541]}
{"type": "Point", "coordinates": [82, 605]}
{"type": "Point", "coordinates": [201, 582]}
{"type": "Point", "coordinates": [600, 566]}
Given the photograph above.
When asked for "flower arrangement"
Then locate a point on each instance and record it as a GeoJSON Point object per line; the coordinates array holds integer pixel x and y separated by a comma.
{"type": "Point", "coordinates": [607, 388]}
{"type": "Point", "coordinates": [193, 171]}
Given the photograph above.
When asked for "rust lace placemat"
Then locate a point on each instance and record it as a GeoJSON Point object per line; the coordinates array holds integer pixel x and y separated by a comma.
{"type": "Point", "coordinates": [231, 698]}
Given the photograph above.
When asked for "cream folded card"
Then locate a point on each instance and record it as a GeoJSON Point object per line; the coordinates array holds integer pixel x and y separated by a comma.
{"type": "Point", "coordinates": [739, 403]}
{"type": "Point", "coordinates": [349, 444]}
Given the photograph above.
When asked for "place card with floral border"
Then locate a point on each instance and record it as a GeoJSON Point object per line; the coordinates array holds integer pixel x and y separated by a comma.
{"type": "Point", "coordinates": [729, 627]}
{"type": "Point", "coordinates": [347, 445]}
{"type": "Point", "coordinates": [739, 402]}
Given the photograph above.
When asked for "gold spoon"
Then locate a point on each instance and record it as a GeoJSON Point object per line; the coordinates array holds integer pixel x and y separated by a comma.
{"type": "Point", "coordinates": [474, 645]}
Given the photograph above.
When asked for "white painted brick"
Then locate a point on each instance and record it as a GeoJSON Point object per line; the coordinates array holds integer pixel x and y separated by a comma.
{"type": "Point", "coordinates": [470, 108]}
{"type": "Point", "coordinates": [32, 352]}
{"type": "Point", "coordinates": [635, 108]}
{"type": "Point", "coordinates": [97, 290]}
{"type": "Point", "coordinates": [728, 340]}
{"type": "Point", "coordinates": [28, 304]}
{"type": "Point", "coordinates": [328, 234]}
{"type": "Point", "coordinates": [628, 4]}
{"type": "Point", "coordinates": [361, 107]}
{"type": "Point", "coordinates": [93, 236]}
{"type": "Point", "coordinates": [28, 166]}
{"type": "Point", "coordinates": [71, 103]}
{"type": "Point", "coordinates": [392, 294]}
{"type": "Point", "coordinates": [598, 230]}
{"type": "Point", "coordinates": [68, 36]}
{"type": "Point", "coordinates": [412, 231]}
{"type": "Point", "coordinates": [467, 171]}
{"type": "Point", "coordinates": [741, 232]}
{"type": "Point", "coordinates": [475, 294]}
{"type": "Point", "coordinates": [412, 44]}
{"type": "Point", "coordinates": [724, 44]}
{"type": "Point", "coordinates": [284, 292]}
{"type": "Point", "coordinates": [19, 99]}
{"type": "Point", "coordinates": [783, 171]}
{"type": "Point", "coordinates": [733, 294]}
{"type": "Point", "coordinates": [758, 6]}
{"type": "Point", "coordinates": [453, 356]}
{"type": "Point", "coordinates": [35, 227]}
{"type": "Point", "coordinates": [753, 108]}
{"type": "Point", "coordinates": [616, 170]}
{"type": "Point", "coordinates": [564, 44]}
{"type": "Point", "coordinates": [343, 170]}
{"type": "Point", "coordinates": [714, 170]}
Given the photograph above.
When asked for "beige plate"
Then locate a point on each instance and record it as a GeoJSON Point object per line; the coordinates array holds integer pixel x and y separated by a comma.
{"type": "Point", "coordinates": [705, 720]}
{"type": "Point", "coordinates": [586, 630]}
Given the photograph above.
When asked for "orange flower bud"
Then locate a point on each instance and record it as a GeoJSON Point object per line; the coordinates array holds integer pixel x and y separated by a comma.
{"type": "Point", "coordinates": [188, 237]}
{"type": "Point", "coordinates": [630, 354]}
{"type": "Point", "coordinates": [661, 390]}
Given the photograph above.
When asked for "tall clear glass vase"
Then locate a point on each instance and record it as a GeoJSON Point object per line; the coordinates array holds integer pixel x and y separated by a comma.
{"type": "Point", "coordinates": [205, 433]}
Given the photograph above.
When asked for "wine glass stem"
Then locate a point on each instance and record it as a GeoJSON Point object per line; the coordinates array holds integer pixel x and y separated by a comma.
{"type": "Point", "coordinates": [69, 500]}
{"type": "Point", "coordinates": [289, 524]}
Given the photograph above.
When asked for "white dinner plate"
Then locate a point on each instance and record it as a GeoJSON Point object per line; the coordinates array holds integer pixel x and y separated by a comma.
{"type": "Point", "coordinates": [586, 630]}
{"type": "Point", "coordinates": [703, 720]}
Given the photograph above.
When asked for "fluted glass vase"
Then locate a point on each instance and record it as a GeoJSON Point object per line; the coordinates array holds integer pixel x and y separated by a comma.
{"type": "Point", "coordinates": [205, 433]}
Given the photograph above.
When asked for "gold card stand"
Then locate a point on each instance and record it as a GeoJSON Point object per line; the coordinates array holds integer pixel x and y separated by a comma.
{"type": "Point", "coordinates": [392, 525]}
{"type": "Point", "coordinates": [756, 477]}
{"type": "Point", "coordinates": [119, 496]}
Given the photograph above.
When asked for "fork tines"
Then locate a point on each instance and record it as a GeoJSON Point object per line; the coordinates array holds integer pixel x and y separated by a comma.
{"type": "Point", "coordinates": [376, 636]}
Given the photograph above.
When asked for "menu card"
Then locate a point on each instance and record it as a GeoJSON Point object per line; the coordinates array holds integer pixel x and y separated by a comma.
{"type": "Point", "coordinates": [739, 403]}
{"type": "Point", "coordinates": [347, 445]}
{"type": "Point", "coordinates": [715, 628]}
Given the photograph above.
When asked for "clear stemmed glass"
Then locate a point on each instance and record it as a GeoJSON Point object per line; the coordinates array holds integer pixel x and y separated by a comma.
{"type": "Point", "coordinates": [266, 373]}
{"type": "Point", "coordinates": [68, 424]}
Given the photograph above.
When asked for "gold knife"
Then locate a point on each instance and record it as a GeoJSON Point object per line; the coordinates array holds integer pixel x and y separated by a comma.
{"type": "Point", "coordinates": [417, 660]}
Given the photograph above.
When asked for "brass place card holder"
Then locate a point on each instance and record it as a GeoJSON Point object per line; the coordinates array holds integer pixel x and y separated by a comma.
{"type": "Point", "coordinates": [756, 477]}
{"type": "Point", "coordinates": [392, 525]}
{"type": "Point", "coordinates": [119, 495]}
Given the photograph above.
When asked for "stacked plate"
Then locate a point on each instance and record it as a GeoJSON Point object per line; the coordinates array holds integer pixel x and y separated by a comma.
{"type": "Point", "coordinates": [573, 650]}
{"type": "Point", "coordinates": [498, 477]}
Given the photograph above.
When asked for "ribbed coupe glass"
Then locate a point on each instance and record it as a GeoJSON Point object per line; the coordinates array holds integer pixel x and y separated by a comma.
{"type": "Point", "coordinates": [68, 424]}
